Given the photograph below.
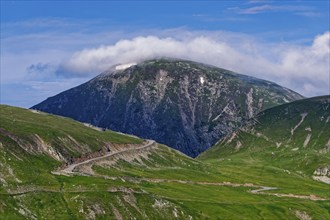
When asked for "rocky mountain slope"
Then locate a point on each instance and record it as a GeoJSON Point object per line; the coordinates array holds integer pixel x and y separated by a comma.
{"type": "Point", "coordinates": [293, 136]}
{"type": "Point", "coordinates": [183, 104]}
{"type": "Point", "coordinates": [56, 168]}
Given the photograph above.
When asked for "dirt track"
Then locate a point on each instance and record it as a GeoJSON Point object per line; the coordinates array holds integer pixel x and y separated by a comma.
{"type": "Point", "coordinates": [69, 169]}
{"type": "Point", "coordinates": [259, 189]}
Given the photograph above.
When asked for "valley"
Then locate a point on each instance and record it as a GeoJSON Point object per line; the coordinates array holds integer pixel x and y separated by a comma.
{"type": "Point", "coordinates": [143, 179]}
{"type": "Point", "coordinates": [165, 110]}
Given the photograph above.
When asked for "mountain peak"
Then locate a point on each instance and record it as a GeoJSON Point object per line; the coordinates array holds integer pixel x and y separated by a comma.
{"type": "Point", "coordinates": [183, 104]}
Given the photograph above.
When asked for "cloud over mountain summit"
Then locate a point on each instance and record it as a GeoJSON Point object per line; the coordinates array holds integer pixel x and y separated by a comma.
{"type": "Point", "coordinates": [304, 68]}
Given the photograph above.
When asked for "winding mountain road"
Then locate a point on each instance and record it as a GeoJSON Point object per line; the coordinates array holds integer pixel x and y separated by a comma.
{"type": "Point", "coordinates": [70, 168]}
{"type": "Point", "coordinates": [260, 189]}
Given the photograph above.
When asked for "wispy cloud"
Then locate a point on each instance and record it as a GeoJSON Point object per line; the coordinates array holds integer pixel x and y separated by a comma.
{"type": "Point", "coordinates": [259, 1]}
{"type": "Point", "coordinates": [297, 9]}
{"type": "Point", "coordinates": [212, 18]}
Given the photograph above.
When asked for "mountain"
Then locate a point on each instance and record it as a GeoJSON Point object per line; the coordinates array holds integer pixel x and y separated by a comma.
{"type": "Point", "coordinates": [294, 137]}
{"type": "Point", "coordinates": [53, 167]}
{"type": "Point", "coordinates": [185, 105]}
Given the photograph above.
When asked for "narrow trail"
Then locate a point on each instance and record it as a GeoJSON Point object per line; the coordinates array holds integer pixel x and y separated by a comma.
{"type": "Point", "coordinates": [70, 168]}
{"type": "Point", "coordinates": [258, 189]}
{"type": "Point", "coordinates": [262, 189]}
{"type": "Point", "coordinates": [290, 195]}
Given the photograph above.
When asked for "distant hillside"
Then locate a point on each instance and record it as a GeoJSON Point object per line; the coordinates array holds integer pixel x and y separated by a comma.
{"type": "Point", "coordinates": [185, 105]}
{"type": "Point", "coordinates": [293, 136]}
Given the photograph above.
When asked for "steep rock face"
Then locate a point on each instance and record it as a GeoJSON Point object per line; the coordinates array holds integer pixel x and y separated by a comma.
{"type": "Point", "coordinates": [183, 104]}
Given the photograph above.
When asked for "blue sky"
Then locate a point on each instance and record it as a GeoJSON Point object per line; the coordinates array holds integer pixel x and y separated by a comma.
{"type": "Point", "coordinates": [50, 46]}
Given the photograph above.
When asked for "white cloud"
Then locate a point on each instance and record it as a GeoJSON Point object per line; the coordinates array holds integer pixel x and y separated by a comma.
{"type": "Point", "coordinates": [29, 61]}
{"type": "Point", "coordinates": [304, 68]}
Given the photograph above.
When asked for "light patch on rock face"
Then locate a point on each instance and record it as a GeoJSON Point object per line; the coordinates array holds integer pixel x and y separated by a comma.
{"type": "Point", "coordinates": [249, 103]}
{"type": "Point", "coordinates": [238, 145]}
{"type": "Point", "coordinates": [201, 79]}
{"type": "Point", "coordinates": [35, 111]}
{"type": "Point", "coordinates": [225, 109]}
{"type": "Point", "coordinates": [308, 137]}
{"type": "Point", "coordinates": [191, 101]}
{"type": "Point", "coordinates": [151, 92]}
{"type": "Point", "coordinates": [11, 173]}
{"type": "Point", "coordinates": [47, 149]}
{"type": "Point", "coordinates": [7, 173]}
{"type": "Point", "coordinates": [26, 213]}
{"type": "Point", "coordinates": [22, 209]}
{"type": "Point", "coordinates": [94, 210]}
{"type": "Point", "coordinates": [160, 204]}
{"type": "Point", "coordinates": [175, 213]}
{"type": "Point", "coordinates": [302, 215]}
{"type": "Point", "coordinates": [303, 116]}
{"type": "Point", "coordinates": [323, 179]}
{"type": "Point", "coordinates": [308, 129]}
{"type": "Point", "coordinates": [162, 81]}
{"type": "Point", "coordinates": [278, 144]}
{"type": "Point", "coordinates": [322, 171]}
{"type": "Point", "coordinates": [264, 137]}
{"type": "Point", "coordinates": [285, 100]}
{"type": "Point", "coordinates": [326, 149]}
{"type": "Point", "coordinates": [124, 66]}
{"type": "Point", "coordinates": [116, 213]}
{"type": "Point", "coordinates": [3, 181]}
{"type": "Point", "coordinates": [231, 138]}
{"type": "Point", "coordinates": [130, 199]}
{"type": "Point", "coordinates": [322, 174]}
{"type": "Point", "coordinates": [295, 149]}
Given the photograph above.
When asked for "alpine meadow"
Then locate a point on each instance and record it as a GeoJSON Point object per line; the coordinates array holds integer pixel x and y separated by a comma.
{"type": "Point", "coordinates": [165, 110]}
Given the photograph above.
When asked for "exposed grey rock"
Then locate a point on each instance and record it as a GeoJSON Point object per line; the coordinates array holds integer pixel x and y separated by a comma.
{"type": "Point", "coordinates": [322, 171]}
{"type": "Point", "coordinates": [183, 104]}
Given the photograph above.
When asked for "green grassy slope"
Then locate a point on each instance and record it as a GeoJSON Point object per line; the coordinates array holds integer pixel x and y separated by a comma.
{"type": "Point", "coordinates": [293, 136]}
{"type": "Point", "coordinates": [29, 190]}
{"type": "Point", "coordinates": [155, 183]}
{"type": "Point", "coordinates": [281, 147]}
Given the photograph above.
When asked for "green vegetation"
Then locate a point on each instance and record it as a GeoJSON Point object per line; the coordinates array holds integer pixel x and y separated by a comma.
{"type": "Point", "coordinates": [281, 147]}
{"type": "Point", "coordinates": [157, 183]}
{"type": "Point", "coordinates": [293, 136]}
{"type": "Point", "coordinates": [57, 131]}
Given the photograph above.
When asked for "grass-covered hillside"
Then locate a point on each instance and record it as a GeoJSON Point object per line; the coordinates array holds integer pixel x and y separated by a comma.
{"type": "Point", "coordinates": [294, 136]}
{"type": "Point", "coordinates": [55, 168]}
{"type": "Point", "coordinates": [287, 147]}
